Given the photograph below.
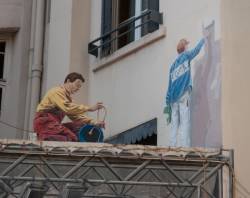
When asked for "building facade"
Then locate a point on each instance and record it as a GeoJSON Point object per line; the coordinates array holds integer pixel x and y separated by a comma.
{"type": "Point", "coordinates": [127, 68]}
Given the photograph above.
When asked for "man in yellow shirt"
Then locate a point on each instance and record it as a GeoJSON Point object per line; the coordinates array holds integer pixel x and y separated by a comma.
{"type": "Point", "coordinates": [56, 104]}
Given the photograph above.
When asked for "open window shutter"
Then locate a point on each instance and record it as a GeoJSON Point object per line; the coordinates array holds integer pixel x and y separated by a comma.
{"type": "Point", "coordinates": [150, 5]}
{"type": "Point", "coordinates": [106, 25]}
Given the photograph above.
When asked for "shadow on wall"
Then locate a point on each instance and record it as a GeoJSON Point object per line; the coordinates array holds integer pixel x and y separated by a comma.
{"type": "Point", "coordinates": [206, 95]}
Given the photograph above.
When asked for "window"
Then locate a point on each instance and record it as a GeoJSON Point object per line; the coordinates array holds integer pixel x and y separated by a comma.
{"type": "Point", "coordinates": [1, 95]}
{"type": "Point", "coordinates": [124, 21]}
{"type": "Point", "coordinates": [117, 12]}
{"type": "Point", "coordinates": [125, 10]}
{"type": "Point", "coordinates": [2, 55]}
{"type": "Point", "coordinates": [4, 48]}
{"type": "Point", "coordinates": [152, 5]}
{"type": "Point", "coordinates": [2, 64]}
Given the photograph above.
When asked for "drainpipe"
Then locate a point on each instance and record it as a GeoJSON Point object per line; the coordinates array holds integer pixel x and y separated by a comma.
{"type": "Point", "coordinates": [31, 56]}
{"type": "Point", "coordinates": [37, 66]}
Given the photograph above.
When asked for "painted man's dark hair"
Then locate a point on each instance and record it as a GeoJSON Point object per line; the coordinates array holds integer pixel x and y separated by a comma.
{"type": "Point", "coordinates": [74, 76]}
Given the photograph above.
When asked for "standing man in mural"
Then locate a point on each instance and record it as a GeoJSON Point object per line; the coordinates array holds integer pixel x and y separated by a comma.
{"type": "Point", "coordinates": [57, 104]}
{"type": "Point", "coordinates": [179, 94]}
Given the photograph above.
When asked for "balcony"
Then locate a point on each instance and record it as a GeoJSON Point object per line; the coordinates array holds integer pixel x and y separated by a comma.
{"type": "Point", "coordinates": [148, 21]}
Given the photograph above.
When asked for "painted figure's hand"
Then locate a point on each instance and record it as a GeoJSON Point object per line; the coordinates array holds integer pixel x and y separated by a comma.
{"type": "Point", "coordinates": [100, 124]}
{"type": "Point", "coordinates": [168, 112]}
{"type": "Point", "coordinates": [97, 106]}
{"type": "Point", "coordinates": [73, 138]}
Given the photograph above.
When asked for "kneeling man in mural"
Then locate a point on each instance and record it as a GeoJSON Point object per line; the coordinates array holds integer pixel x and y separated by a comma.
{"type": "Point", "coordinates": [179, 94]}
{"type": "Point", "coordinates": [56, 104]}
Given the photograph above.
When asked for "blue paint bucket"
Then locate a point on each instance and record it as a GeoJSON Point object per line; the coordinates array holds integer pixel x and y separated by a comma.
{"type": "Point", "coordinates": [90, 133]}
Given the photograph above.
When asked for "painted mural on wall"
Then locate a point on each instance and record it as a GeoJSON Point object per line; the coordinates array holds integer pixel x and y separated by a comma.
{"type": "Point", "coordinates": [206, 103]}
{"type": "Point", "coordinates": [194, 92]}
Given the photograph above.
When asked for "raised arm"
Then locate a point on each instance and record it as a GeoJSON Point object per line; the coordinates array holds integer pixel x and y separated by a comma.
{"type": "Point", "coordinates": [195, 51]}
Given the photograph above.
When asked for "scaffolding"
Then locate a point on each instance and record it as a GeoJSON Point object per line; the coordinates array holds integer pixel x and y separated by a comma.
{"type": "Point", "coordinates": [56, 169]}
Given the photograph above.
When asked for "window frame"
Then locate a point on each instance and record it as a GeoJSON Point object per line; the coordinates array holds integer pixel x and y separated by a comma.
{"type": "Point", "coordinates": [109, 22]}
{"type": "Point", "coordinates": [6, 67]}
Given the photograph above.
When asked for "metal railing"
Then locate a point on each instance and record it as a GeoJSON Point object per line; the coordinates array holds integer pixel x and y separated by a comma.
{"type": "Point", "coordinates": [147, 17]}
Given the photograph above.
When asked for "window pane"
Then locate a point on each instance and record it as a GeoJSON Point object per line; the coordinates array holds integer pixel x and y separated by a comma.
{"type": "Point", "coordinates": [1, 65]}
{"type": "Point", "coordinates": [126, 10]}
{"type": "Point", "coordinates": [1, 94]}
{"type": "Point", "coordinates": [106, 25]}
{"type": "Point", "coordinates": [151, 5]}
{"type": "Point", "coordinates": [2, 46]}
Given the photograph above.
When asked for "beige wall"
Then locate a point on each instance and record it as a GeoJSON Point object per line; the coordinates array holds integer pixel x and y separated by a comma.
{"type": "Point", "coordinates": [67, 38]}
{"type": "Point", "coordinates": [59, 42]}
{"type": "Point", "coordinates": [235, 89]}
{"type": "Point", "coordinates": [80, 32]}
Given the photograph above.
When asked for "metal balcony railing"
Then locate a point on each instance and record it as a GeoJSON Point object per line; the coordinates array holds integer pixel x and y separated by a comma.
{"type": "Point", "coordinates": [148, 18]}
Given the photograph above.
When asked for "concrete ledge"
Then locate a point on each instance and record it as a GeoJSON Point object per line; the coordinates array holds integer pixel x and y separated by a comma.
{"type": "Point", "coordinates": [129, 49]}
{"type": "Point", "coordinates": [15, 146]}
{"type": "Point", "coordinates": [5, 31]}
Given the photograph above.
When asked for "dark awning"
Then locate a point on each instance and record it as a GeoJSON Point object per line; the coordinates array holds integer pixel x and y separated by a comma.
{"type": "Point", "coordinates": [135, 134]}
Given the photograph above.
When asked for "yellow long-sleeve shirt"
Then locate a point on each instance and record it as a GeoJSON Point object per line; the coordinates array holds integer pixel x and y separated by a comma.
{"type": "Point", "coordinates": [59, 98]}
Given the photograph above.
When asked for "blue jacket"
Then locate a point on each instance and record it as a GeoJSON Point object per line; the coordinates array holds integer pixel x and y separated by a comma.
{"type": "Point", "coordinates": [180, 79]}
